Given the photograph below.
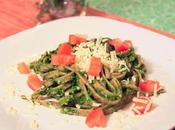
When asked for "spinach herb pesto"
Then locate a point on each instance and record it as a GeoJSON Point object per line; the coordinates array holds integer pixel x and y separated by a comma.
{"type": "Point", "coordinates": [70, 83]}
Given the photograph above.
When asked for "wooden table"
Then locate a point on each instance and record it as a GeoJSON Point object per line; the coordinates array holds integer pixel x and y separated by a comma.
{"type": "Point", "coordinates": [19, 15]}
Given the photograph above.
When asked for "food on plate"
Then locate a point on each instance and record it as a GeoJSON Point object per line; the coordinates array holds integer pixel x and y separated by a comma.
{"type": "Point", "coordinates": [93, 78]}
{"type": "Point", "coordinates": [149, 86]}
{"type": "Point", "coordinates": [34, 82]}
{"type": "Point", "coordinates": [141, 105]}
{"type": "Point", "coordinates": [96, 118]}
{"type": "Point", "coordinates": [23, 68]}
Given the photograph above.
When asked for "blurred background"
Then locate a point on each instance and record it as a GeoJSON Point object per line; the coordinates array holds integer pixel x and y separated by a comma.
{"type": "Point", "coordinates": [18, 15]}
{"type": "Point", "coordinates": [159, 14]}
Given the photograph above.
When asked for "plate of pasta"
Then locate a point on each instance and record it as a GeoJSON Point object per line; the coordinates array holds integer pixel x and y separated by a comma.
{"type": "Point", "coordinates": [88, 73]}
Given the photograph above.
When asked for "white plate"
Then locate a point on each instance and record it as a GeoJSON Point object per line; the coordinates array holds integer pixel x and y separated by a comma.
{"type": "Point", "coordinates": [16, 114]}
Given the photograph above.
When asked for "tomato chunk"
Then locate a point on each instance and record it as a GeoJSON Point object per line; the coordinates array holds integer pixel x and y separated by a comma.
{"type": "Point", "coordinates": [65, 48]}
{"type": "Point", "coordinates": [23, 68]}
{"type": "Point", "coordinates": [113, 42]}
{"type": "Point", "coordinates": [96, 118]}
{"type": "Point", "coordinates": [62, 59]}
{"type": "Point", "coordinates": [76, 39]}
{"type": "Point", "coordinates": [66, 59]}
{"type": "Point", "coordinates": [127, 43]}
{"type": "Point", "coordinates": [34, 82]}
{"type": "Point", "coordinates": [121, 46]}
{"type": "Point", "coordinates": [141, 105]}
{"type": "Point", "coordinates": [54, 59]}
{"type": "Point", "coordinates": [95, 67]}
{"type": "Point", "coordinates": [149, 86]}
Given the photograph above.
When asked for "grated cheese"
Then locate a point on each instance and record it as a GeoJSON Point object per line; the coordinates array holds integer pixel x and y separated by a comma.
{"type": "Point", "coordinates": [138, 93]}
{"type": "Point", "coordinates": [11, 110]}
{"type": "Point", "coordinates": [77, 106]}
{"type": "Point", "coordinates": [95, 104]}
{"type": "Point", "coordinates": [90, 78]}
{"type": "Point", "coordinates": [133, 78]}
{"type": "Point", "coordinates": [66, 93]}
{"type": "Point", "coordinates": [155, 90]}
{"type": "Point", "coordinates": [132, 106]}
{"type": "Point", "coordinates": [136, 111]}
{"type": "Point", "coordinates": [148, 106]}
{"type": "Point", "coordinates": [98, 77]}
{"type": "Point", "coordinates": [147, 94]}
{"type": "Point", "coordinates": [86, 50]}
{"type": "Point", "coordinates": [140, 100]}
{"type": "Point", "coordinates": [123, 66]}
{"type": "Point", "coordinates": [34, 124]}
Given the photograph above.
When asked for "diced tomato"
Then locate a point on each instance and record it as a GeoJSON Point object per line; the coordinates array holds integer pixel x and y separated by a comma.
{"type": "Point", "coordinates": [95, 67]}
{"type": "Point", "coordinates": [23, 68]}
{"type": "Point", "coordinates": [34, 82]}
{"type": "Point", "coordinates": [141, 105]}
{"type": "Point", "coordinates": [113, 42]}
{"type": "Point", "coordinates": [54, 59]}
{"type": "Point", "coordinates": [96, 118]}
{"type": "Point", "coordinates": [76, 39]}
{"type": "Point", "coordinates": [128, 43]}
{"type": "Point", "coordinates": [121, 46]}
{"type": "Point", "coordinates": [66, 59]}
{"type": "Point", "coordinates": [62, 59]}
{"type": "Point", "coordinates": [149, 86]}
{"type": "Point", "coordinates": [140, 101]}
{"type": "Point", "coordinates": [65, 48]}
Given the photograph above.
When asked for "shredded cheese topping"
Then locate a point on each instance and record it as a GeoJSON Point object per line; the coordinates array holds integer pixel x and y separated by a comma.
{"type": "Point", "coordinates": [86, 50]}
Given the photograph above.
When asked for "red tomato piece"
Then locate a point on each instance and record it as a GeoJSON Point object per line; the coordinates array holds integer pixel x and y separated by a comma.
{"type": "Point", "coordinates": [95, 67]}
{"type": "Point", "coordinates": [121, 46]}
{"type": "Point", "coordinates": [34, 82]}
{"type": "Point", "coordinates": [65, 48]}
{"type": "Point", "coordinates": [141, 105]}
{"type": "Point", "coordinates": [54, 59]}
{"type": "Point", "coordinates": [113, 42]}
{"type": "Point", "coordinates": [128, 43]}
{"type": "Point", "coordinates": [66, 59]}
{"type": "Point", "coordinates": [96, 118]}
{"type": "Point", "coordinates": [149, 86]}
{"type": "Point", "coordinates": [140, 101]}
{"type": "Point", "coordinates": [23, 68]}
{"type": "Point", "coordinates": [76, 39]}
{"type": "Point", "coordinates": [62, 59]}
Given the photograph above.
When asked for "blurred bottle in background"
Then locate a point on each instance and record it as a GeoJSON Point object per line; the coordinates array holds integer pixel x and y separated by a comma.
{"type": "Point", "coordinates": [54, 9]}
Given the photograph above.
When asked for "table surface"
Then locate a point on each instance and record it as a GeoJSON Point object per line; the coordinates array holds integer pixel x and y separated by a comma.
{"type": "Point", "coordinates": [155, 13]}
{"type": "Point", "coordinates": [18, 15]}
